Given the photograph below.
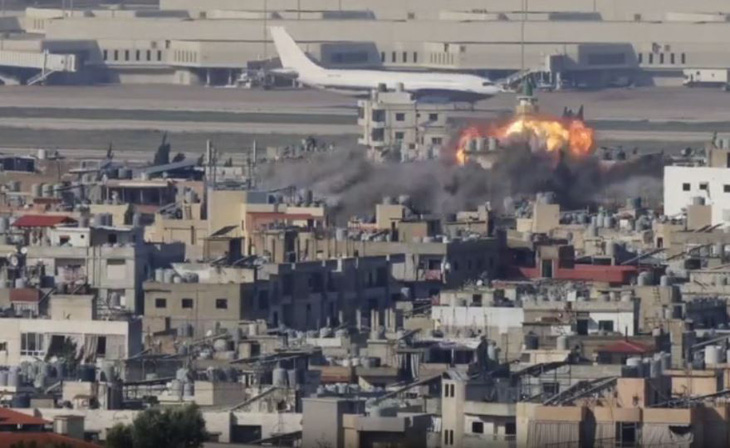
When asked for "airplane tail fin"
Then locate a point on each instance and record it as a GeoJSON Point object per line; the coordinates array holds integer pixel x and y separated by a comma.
{"type": "Point", "coordinates": [292, 57]}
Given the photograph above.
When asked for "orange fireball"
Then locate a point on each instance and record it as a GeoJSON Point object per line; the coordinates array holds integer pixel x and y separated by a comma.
{"type": "Point", "coordinates": [541, 132]}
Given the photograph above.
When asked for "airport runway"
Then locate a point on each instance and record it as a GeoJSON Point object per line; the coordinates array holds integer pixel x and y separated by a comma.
{"type": "Point", "coordinates": [85, 117]}
{"type": "Point", "coordinates": [654, 104]}
{"type": "Point", "coordinates": [178, 126]}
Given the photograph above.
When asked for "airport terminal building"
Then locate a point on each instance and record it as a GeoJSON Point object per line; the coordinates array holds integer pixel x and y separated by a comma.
{"type": "Point", "coordinates": [589, 43]}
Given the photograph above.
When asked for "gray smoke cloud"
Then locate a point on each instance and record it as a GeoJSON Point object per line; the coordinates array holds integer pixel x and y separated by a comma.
{"type": "Point", "coordinates": [352, 184]}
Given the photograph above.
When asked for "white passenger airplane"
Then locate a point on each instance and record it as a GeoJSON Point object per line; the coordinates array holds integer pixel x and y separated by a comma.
{"type": "Point", "coordinates": [453, 87]}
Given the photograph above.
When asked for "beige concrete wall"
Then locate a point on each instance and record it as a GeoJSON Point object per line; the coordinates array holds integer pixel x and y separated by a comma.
{"type": "Point", "coordinates": [73, 307]}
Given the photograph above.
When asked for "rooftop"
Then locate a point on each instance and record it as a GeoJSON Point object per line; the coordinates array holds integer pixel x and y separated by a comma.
{"type": "Point", "coordinates": [43, 220]}
{"type": "Point", "coordinates": [626, 347]}
{"type": "Point", "coordinates": [13, 418]}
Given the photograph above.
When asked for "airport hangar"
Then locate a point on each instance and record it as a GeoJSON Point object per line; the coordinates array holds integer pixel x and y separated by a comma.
{"type": "Point", "coordinates": [591, 42]}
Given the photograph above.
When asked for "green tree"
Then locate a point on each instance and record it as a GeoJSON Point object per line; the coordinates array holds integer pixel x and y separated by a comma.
{"type": "Point", "coordinates": [179, 427]}
{"type": "Point", "coordinates": [119, 436]}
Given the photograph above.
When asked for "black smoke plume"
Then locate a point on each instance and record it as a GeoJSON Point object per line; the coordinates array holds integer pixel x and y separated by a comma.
{"type": "Point", "coordinates": [352, 184]}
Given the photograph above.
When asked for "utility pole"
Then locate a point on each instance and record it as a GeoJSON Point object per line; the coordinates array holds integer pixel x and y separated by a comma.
{"type": "Point", "coordinates": [522, 35]}
{"type": "Point", "coordinates": [266, 25]}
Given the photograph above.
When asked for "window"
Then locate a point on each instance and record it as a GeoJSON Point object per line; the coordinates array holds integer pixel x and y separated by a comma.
{"type": "Point", "coordinates": [704, 186]}
{"type": "Point", "coordinates": [437, 140]}
{"type": "Point", "coordinates": [149, 55]}
{"type": "Point", "coordinates": [449, 390]}
{"type": "Point", "coordinates": [581, 327]}
{"type": "Point", "coordinates": [415, 56]}
{"type": "Point", "coordinates": [641, 58]}
{"type": "Point", "coordinates": [31, 344]}
{"type": "Point", "coordinates": [477, 427]}
{"type": "Point", "coordinates": [357, 57]}
{"type": "Point", "coordinates": [510, 429]}
{"type": "Point", "coordinates": [726, 188]}
{"type": "Point", "coordinates": [382, 56]}
{"type": "Point", "coordinates": [405, 56]}
{"type": "Point", "coordinates": [661, 58]}
{"type": "Point", "coordinates": [399, 136]}
{"type": "Point", "coordinates": [549, 389]}
{"type": "Point", "coordinates": [159, 55]}
{"type": "Point", "coordinates": [625, 434]}
{"type": "Point", "coordinates": [316, 282]}
{"type": "Point", "coordinates": [112, 238]}
{"type": "Point", "coordinates": [381, 277]}
{"type": "Point", "coordinates": [263, 300]}
{"type": "Point", "coordinates": [160, 303]}
{"type": "Point", "coordinates": [671, 58]}
{"type": "Point", "coordinates": [651, 58]}
{"type": "Point", "coordinates": [126, 55]}
{"type": "Point", "coordinates": [137, 54]}
{"type": "Point", "coordinates": [101, 346]}
{"type": "Point", "coordinates": [400, 116]}
{"type": "Point", "coordinates": [187, 303]}
{"type": "Point", "coordinates": [105, 54]}
{"type": "Point", "coordinates": [221, 304]}
{"type": "Point", "coordinates": [433, 117]}
{"type": "Point", "coordinates": [683, 58]}
{"type": "Point", "coordinates": [287, 284]}
{"type": "Point", "coordinates": [392, 57]}
{"type": "Point", "coordinates": [605, 325]}
{"type": "Point", "coordinates": [607, 59]}
{"type": "Point", "coordinates": [116, 55]}
{"type": "Point", "coordinates": [685, 186]}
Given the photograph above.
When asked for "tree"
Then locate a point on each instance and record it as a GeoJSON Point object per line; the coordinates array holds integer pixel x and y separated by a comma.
{"type": "Point", "coordinates": [179, 427]}
{"type": "Point", "coordinates": [119, 436]}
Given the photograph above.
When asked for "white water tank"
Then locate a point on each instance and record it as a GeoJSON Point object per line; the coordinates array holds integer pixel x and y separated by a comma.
{"type": "Point", "coordinates": [492, 351]}
{"type": "Point", "coordinates": [279, 377]}
{"type": "Point", "coordinates": [712, 355]}
{"type": "Point", "coordinates": [634, 362]}
{"type": "Point", "coordinates": [562, 342]}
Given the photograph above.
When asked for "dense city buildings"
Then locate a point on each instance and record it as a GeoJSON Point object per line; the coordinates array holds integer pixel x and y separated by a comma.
{"type": "Point", "coordinates": [431, 262]}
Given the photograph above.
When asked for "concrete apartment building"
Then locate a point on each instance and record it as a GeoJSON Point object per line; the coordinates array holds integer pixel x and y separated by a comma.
{"type": "Point", "coordinates": [602, 42]}
{"type": "Point", "coordinates": [298, 295]}
{"type": "Point", "coordinates": [701, 192]}
{"type": "Point", "coordinates": [114, 260]}
{"type": "Point", "coordinates": [344, 423]}
{"type": "Point", "coordinates": [397, 127]}
{"type": "Point", "coordinates": [70, 317]}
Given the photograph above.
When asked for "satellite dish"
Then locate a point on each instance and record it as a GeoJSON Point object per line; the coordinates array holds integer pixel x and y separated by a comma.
{"type": "Point", "coordinates": [24, 250]}
{"type": "Point", "coordinates": [13, 260]}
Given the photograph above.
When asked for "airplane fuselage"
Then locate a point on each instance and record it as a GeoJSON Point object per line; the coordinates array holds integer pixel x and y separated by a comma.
{"type": "Point", "coordinates": [453, 86]}
{"type": "Point", "coordinates": [458, 87]}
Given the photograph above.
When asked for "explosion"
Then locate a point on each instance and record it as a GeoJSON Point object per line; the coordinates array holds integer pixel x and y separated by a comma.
{"type": "Point", "coordinates": [543, 133]}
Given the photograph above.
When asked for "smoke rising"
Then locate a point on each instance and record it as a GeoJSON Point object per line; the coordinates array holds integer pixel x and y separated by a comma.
{"type": "Point", "coordinates": [352, 184]}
